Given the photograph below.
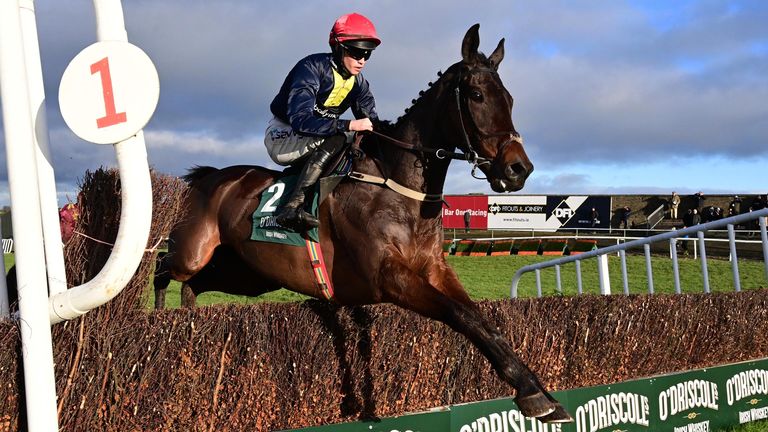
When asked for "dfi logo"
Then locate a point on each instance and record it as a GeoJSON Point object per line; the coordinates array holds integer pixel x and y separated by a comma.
{"type": "Point", "coordinates": [563, 213]}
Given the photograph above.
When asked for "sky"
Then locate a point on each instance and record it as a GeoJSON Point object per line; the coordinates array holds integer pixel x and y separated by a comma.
{"type": "Point", "coordinates": [611, 97]}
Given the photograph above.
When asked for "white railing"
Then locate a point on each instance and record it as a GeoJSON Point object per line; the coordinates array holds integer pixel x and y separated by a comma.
{"type": "Point", "coordinates": [671, 236]}
{"type": "Point", "coordinates": [655, 218]}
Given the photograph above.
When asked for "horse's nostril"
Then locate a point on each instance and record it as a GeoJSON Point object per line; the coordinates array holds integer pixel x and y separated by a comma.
{"type": "Point", "coordinates": [516, 169]}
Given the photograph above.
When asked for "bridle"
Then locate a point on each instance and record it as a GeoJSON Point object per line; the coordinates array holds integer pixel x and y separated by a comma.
{"type": "Point", "coordinates": [475, 159]}
{"type": "Point", "coordinates": [468, 153]}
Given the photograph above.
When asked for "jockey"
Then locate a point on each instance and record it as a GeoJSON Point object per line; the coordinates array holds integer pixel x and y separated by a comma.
{"type": "Point", "coordinates": [306, 129]}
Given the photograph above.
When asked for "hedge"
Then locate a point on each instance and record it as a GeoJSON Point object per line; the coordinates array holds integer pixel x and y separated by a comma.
{"type": "Point", "coordinates": [278, 366]}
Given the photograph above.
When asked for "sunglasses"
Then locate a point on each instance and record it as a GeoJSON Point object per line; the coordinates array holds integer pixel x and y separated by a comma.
{"type": "Point", "coordinates": [357, 53]}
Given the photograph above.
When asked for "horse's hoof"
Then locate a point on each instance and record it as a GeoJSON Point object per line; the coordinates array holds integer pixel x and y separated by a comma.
{"type": "Point", "coordinates": [536, 405]}
{"type": "Point", "coordinates": [559, 415]}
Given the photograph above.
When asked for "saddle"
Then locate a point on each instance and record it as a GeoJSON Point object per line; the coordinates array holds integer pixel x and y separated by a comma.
{"type": "Point", "coordinates": [264, 226]}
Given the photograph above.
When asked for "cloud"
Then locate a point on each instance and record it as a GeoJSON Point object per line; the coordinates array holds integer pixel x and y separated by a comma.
{"type": "Point", "coordinates": [599, 83]}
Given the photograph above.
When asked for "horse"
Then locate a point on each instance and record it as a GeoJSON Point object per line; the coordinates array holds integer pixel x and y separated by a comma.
{"type": "Point", "coordinates": [382, 242]}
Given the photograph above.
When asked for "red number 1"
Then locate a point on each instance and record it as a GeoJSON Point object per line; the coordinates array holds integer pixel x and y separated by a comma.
{"type": "Point", "coordinates": [111, 118]}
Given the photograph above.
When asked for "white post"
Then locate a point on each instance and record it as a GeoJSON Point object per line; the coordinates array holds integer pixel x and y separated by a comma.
{"type": "Point", "coordinates": [136, 204]}
{"type": "Point", "coordinates": [54, 256]}
{"type": "Point", "coordinates": [5, 310]}
{"type": "Point", "coordinates": [602, 272]}
{"type": "Point", "coordinates": [37, 350]}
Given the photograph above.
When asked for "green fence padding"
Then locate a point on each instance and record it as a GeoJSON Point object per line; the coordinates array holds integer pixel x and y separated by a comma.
{"type": "Point", "coordinates": [555, 246]}
{"type": "Point", "coordinates": [481, 247]}
{"type": "Point", "coordinates": [464, 247]}
{"type": "Point", "coordinates": [700, 400]}
{"type": "Point", "coordinates": [502, 246]}
{"type": "Point", "coordinates": [583, 246]}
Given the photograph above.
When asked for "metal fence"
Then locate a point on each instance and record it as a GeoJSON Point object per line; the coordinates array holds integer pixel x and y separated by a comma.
{"type": "Point", "coordinates": [672, 237]}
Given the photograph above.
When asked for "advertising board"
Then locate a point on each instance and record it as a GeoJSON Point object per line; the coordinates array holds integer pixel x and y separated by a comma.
{"type": "Point", "coordinates": [526, 212]}
{"type": "Point", "coordinates": [701, 400]}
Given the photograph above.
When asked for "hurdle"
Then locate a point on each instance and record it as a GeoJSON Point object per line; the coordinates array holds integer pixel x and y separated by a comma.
{"type": "Point", "coordinates": [84, 99]}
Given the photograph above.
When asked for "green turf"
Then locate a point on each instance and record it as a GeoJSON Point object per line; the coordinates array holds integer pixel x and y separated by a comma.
{"type": "Point", "coordinates": [490, 277]}
{"type": "Point", "coordinates": [761, 426]}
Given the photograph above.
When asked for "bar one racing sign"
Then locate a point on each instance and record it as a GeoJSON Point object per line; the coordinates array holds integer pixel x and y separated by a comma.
{"type": "Point", "coordinates": [526, 212]}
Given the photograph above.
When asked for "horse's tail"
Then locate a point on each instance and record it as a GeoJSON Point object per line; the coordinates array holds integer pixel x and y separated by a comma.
{"type": "Point", "coordinates": [197, 173]}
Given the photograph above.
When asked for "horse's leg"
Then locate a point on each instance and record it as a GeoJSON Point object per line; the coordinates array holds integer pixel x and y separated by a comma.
{"type": "Point", "coordinates": [188, 296]}
{"type": "Point", "coordinates": [161, 280]}
{"type": "Point", "coordinates": [409, 290]}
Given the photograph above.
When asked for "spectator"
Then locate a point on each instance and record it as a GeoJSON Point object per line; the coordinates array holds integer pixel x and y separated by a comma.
{"type": "Point", "coordinates": [762, 201]}
{"type": "Point", "coordinates": [674, 203]}
{"type": "Point", "coordinates": [711, 213]}
{"type": "Point", "coordinates": [699, 199]}
{"type": "Point", "coordinates": [624, 213]}
{"type": "Point", "coordinates": [734, 208]}
{"type": "Point", "coordinates": [68, 216]}
{"type": "Point", "coordinates": [696, 218]}
{"type": "Point", "coordinates": [467, 218]}
{"type": "Point", "coordinates": [595, 216]}
{"type": "Point", "coordinates": [758, 203]}
{"type": "Point", "coordinates": [688, 218]}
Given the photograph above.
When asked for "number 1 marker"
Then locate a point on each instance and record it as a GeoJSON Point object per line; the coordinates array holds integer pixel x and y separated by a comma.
{"type": "Point", "coordinates": [112, 117]}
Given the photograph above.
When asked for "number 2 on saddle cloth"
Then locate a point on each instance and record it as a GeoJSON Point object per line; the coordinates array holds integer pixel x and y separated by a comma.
{"type": "Point", "coordinates": [266, 229]}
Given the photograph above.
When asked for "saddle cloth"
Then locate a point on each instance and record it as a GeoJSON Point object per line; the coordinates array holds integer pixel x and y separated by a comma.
{"type": "Point", "coordinates": [265, 228]}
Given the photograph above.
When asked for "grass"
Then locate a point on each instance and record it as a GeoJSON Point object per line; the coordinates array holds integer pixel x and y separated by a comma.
{"type": "Point", "coordinates": [490, 277]}
{"type": "Point", "coordinates": [8, 260]}
{"type": "Point", "coordinates": [761, 426]}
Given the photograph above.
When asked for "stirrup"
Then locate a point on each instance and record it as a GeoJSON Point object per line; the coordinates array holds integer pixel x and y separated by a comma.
{"type": "Point", "coordinates": [297, 219]}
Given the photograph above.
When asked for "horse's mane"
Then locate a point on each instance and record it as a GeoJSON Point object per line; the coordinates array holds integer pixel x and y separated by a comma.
{"type": "Point", "coordinates": [197, 172]}
{"type": "Point", "coordinates": [432, 87]}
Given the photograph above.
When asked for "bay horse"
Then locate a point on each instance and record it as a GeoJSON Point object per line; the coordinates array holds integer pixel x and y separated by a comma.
{"type": "Point", "coordinates": [379, 245]}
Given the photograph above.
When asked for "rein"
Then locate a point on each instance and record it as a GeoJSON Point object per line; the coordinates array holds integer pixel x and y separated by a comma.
{"type": "Point", "coordinates": [469, 154]}
{"type": "Point", "coordinates": [439, 153]}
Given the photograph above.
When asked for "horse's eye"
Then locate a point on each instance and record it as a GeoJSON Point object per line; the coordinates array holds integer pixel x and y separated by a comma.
{"type": "Point", "coordinates": [476, 95]}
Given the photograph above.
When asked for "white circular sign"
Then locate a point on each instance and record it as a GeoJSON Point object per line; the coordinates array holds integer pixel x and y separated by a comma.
{"type": "Point", "coordinates": [109, 92]}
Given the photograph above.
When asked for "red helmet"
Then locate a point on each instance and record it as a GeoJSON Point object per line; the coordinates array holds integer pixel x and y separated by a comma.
{"type": "Point", "coordinates": [354, 30]}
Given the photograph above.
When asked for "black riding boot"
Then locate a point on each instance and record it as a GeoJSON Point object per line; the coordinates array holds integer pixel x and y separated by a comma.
{"type": "Point", "coordinates": [292, 214]}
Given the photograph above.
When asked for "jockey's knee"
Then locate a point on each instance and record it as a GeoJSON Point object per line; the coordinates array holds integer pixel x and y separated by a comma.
{"type": "Point", "coordinates": [333, 144]}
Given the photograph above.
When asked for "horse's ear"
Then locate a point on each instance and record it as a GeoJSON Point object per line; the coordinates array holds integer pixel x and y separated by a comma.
{"type": "Point", "coordinates": [498, 55]}
{"type": "Point", "coordinates": [471, 44]}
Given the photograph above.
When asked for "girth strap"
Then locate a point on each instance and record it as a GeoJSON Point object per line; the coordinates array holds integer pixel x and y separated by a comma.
{"type": "Point", "coordinates": [396, 187]}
